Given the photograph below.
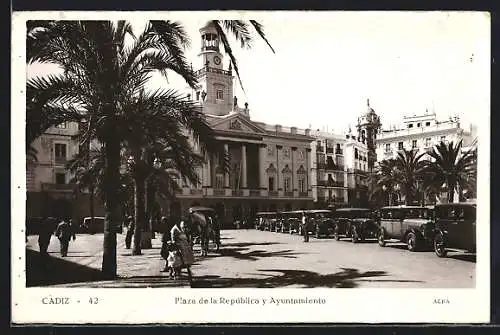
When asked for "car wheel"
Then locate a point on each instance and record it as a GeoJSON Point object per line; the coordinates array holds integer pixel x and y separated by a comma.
{"type": "Point", "coordinates": [354, 235]}
{"type": "Point", "coordinates": [381, 238]}
{"type": "Point", "coordinates": [440, 245]}
{"type": "Point", "coordinates": [411, 241]}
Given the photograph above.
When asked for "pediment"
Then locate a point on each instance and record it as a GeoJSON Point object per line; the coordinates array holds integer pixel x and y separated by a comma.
{"type": "Point", "coordinates": [237, 123]}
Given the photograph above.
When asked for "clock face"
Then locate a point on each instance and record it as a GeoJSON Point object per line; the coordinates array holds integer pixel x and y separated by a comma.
{"type": "Point", "coordinates": [216, 60]}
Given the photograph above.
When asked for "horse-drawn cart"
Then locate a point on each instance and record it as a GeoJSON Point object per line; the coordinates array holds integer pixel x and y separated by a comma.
{"type": "Point", "coordinates": [203, 226]}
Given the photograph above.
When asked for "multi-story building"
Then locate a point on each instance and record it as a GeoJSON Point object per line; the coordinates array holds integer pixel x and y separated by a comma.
{"type": "Point", "coordinates": [49, 192]}
{"type": "Point", "coordinates": [422, 132]}
{"type": "Point", "coordinates": [269, 164]}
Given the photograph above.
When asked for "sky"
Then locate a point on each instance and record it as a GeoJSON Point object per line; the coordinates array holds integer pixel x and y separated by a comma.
{"type": "Point", "coordinates": [327, 64]}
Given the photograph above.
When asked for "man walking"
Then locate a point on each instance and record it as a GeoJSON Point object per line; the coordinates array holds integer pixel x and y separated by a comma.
{"type": "Point", "coordinates": [64, 232]}
{"type": "Point", "coordinates": [130, 232]}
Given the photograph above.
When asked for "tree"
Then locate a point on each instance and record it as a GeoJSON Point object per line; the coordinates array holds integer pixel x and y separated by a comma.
{"type": "Point", "coordinates": [451, 167]}
{"type": "Point", "coordinates": [100, 73]}
{"type": "Point", "coordinates": [409, 167]}
{"type": "Point", "coordinates": [384, 180]}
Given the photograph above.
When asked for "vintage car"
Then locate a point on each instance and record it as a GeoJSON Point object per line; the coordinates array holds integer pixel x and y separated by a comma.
{"type": "Point", "coordinates": [455, 227]}
{"type": "Point", "coordinates": [289, 221]}
{"type": "Point", "coordinates": [357, 224]}
{"type": "Point", "coordinates": [321, 222]}
{"type": "Point", "coordinates": [92, 226]}
{"type": "Point", "coordinates": [413, 225]}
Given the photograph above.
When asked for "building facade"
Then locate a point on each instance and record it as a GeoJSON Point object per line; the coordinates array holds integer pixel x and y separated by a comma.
{"type": "Point", "coordinates": [269, 165]}
{"type": "Point", "coordinates": [422, 133]}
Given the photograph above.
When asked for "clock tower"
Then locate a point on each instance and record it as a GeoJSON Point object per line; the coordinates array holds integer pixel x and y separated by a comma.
{"type": "Point", "coordinates": [215, 85]}
{"type": "Point", "coordinates": [368, 127]}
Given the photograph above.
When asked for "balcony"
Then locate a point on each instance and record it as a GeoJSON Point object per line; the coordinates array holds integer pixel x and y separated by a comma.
{"type": "Point", "coordinates": [195, 191]}
{"type": "Point", "coordinates": [60, 160]}
{"type": "Point", "coordinates": [329, 150]}
{"type": "Point", "coordinates": [219, 192]}
{"type": "Point", "coordinates": [289, 194]}
{"type": "Point", "coordinates": [330, 167]}
{"type": "Point", "coordinates": [211, 70]}
{"type": "Point", "coordinates": [273, 193]}
{"type": "Point", "coordinates": [339, 152]}
{"type": "Point", "coordinates": [303, 194]}
{"type": "Point", "coordinates": [320, 148]}
{"type": "Point", "coordinates": [237, 193]}
{"type": "Point", "coordinates": [51, 187]}
{"type": "Point", "coordinates": [330, 183]}
{"type": "Point", "coordinates": [254, 193]}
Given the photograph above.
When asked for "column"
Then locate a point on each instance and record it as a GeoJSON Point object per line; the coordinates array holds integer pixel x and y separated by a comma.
{"type": "Point", "coordinates": [278, 173]}
{"type": "Point", "coordinates": [308, 170]}
{"type": "Point", "coordinates": [226, 174]}
{"type": "Point", "coordinates": [244, 166]}
{"type": "Point", "coordinates": [292, 156]}
{"type": "Point", "coordinates": [207, 172]}
{"type": "Point", "coordinates": [262, 166]}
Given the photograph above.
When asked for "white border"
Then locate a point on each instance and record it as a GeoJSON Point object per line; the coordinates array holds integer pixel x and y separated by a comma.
{"type": "Point", "coordinates": [157, 306]}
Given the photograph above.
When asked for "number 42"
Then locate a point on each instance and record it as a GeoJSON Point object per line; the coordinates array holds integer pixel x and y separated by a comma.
{"type": "Point", "coordinates": [93, 300]}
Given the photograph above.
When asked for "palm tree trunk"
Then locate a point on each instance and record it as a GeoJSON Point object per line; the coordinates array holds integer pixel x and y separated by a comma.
{"type": "Point", "coordinates": [139, 213]}
{"type": "Point", "coordinates": [390, 198]}
{"type": "Point", "coordinates": [111, 207]}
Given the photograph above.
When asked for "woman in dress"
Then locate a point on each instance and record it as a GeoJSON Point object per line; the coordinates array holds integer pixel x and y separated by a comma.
{"type": "Point", "coordinates": [180, 239]}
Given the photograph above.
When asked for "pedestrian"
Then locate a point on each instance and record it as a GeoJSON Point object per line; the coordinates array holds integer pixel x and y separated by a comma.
{"type": "Point", "coordinates": [44, 234]}
{"type": "Point", "coordinates": [178, 237]}
{"type": "Point", "coordinates": [305, 227]}
{"type": "Point", "coordinates": [165, 239]}
{"type": "Point", "coordinates": [130, 232]}
{"type": "Point", "coordinates": [64, 233]}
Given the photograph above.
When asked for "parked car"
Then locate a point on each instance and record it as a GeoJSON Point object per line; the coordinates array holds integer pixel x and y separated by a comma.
{"type": "Point", "coordinates": [290, 221]}
{"type": "Point", "coordinates": [321, 222]}
{"type": "Point", "coordinates": [355, 223]}
{"type": "Point", "coordinates": [455, 227]}
{"type": "Point", "coordinates": [413, 225]}
{"type": "Point", "coordinates": [92, 226]}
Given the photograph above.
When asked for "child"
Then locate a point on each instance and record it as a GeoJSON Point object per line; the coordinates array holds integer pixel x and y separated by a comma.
{"type": "Point", "coordinates": [174, 260]}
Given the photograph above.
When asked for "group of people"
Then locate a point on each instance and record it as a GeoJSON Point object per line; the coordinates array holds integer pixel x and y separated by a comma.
{"type": "Point", "coordinates": [62, 229]}
{"type": "Point", "coordinates": [176, 246]}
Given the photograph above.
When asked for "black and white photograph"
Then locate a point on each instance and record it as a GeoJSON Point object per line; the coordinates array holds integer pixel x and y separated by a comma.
{"type": "Point", "coordinates": [281, 166]}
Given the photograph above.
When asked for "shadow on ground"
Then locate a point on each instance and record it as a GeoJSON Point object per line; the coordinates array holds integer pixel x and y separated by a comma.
{"type": "Point", "coordinates": [347, 278]}
{"type": "Point", "coordinates": [468, 257]}
{"type": "Point", "coordinates": [42, 271]}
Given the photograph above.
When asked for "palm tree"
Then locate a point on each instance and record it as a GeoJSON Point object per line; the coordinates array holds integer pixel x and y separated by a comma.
{"type": "Point", "coordinates": [100, 73]}
{"type": "Point", "coordinates": [384, 179]}
{"type": "Point", "coordinates": [452, 168]}
{"type": "Point", "coordinates": [409, 167]}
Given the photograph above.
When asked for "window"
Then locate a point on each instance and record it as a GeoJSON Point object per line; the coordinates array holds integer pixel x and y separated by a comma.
{"type": "Point", "coordinates": [301, 154]}
{"type": "Point", "coordinates": [427, 124]}
{"type": "Point", "coordinates": [219, 180]}
{"type": "Point", "coordinates": [388, 147]}
{"type": "Point", "coordinates": [220, 95]}
{"type": "Point", "coordinates": [302, 184]}
{"type": "Point", "coordinates": [410, 125]}
{"type": "Point", "coordinates": [287, 184]}
{"type": "Point", "coordinates": [60, 152]}
{"type": "Point", "coordinates": [418, 124]}
{"type": "Point", "coordinates": [198, 95]}
{"type": "Point", "coordinates": [400, 146]}
{"type": "Point", "coordinates": [355, 153]}
{"type": "Point", "coordinates": [427, 142]}
{"type": "Point", "coordinates": [63, 125]}
{"type": "Point", "coordinates": [60, 178]}
{"type": "Point", "coordinates": [413, 144]}
{"type": "Point", "coordinates": [271, 184]}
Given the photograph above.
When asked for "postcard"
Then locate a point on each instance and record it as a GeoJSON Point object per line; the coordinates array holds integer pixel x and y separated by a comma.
{"type": "Point", "coordinates": [250, 167]}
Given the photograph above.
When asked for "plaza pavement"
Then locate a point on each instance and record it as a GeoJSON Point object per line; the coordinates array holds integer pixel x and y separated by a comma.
{"type": "Point", "coordinates": [250, 258]}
